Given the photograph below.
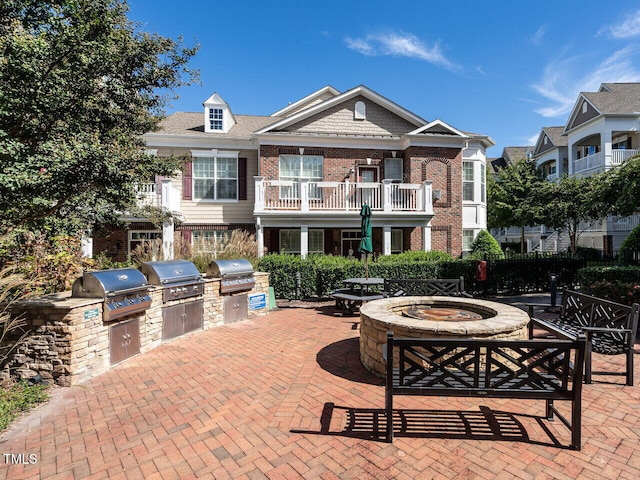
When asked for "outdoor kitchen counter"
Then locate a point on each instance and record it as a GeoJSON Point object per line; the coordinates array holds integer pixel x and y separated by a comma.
{"type": "Point", "coordinates": [68, 340]}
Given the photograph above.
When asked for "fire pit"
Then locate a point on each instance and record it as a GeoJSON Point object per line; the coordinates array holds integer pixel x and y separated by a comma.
{"type": "Point", "coordinates": [428, 317]}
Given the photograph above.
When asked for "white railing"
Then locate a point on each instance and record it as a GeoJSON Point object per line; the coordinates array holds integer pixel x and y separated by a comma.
{"type": "Point", "coordinates": [598, 161]}
{"type": "Point", "coordinates": [589, 163]}
{"type": "Point", "coordinates": [619, 156]}
{"type": "Point", "coordinates": [625, 224]}
{"type": "Point", "coordinates": [148, 195]}
{"type": "Point", "coordinates": [308, 196]}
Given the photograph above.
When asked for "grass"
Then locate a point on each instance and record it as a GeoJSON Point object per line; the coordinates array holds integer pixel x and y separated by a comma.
{"type": "Point", "coordinates": [17, 398]}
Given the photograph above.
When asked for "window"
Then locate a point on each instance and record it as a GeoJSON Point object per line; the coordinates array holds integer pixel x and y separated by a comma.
{"type": "Point", "coordinates": [396, 240]}
{"type": "Point", "coordinates": [215, 118]}
{"type": "Point", "coordinates": [215, 178]}
{"type": "Point", "coordinates": [290, 241]}
{"type": "Point", "coordinates": [467, 181]}
{"type": "Point", "coordinates": [210, 241]}
{"type": "Point", "coordinates": [483, 183]}
{"type": "Point", "coordinates": [393, 168]}
{"type": "Point", "coordinates": [467, 240]}
{"type": "Point", "coordinates": [296, 167]}
{"type": "Point", "coordinates": [146, 241]}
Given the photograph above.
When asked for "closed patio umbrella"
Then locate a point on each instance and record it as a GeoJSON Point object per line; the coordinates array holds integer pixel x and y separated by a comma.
{"type": "Point", "coordinates": [366, 244]}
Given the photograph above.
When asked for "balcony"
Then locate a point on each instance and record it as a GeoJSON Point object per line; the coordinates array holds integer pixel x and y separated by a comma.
{"type": "Point", "coordinates": [322, 197]}
{"type": "Point", "coordinates": [148, 195]}
{"type": "Point", "coordinates": [598, 161]}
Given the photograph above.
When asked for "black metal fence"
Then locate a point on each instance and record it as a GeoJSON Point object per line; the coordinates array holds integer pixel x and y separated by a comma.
{"type": "Point", "coordinates": [526, 273]}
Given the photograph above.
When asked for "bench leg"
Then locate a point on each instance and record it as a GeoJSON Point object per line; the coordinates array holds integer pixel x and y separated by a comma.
{"type": "Point", "coordinates": [587, 363]}
{"type": "Point", "coordinates": [630, 367]}
{"type": "Point", "coordinates": [389, 413]}
{"type": "Point", "coordinates": [576, 425]}
{"type": "Point", "coordinates": [550, 410]}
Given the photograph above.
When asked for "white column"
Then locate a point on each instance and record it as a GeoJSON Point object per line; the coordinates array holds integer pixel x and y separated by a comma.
{"type": "Point", "coordinates": [304, 194]}
{"type": "Point", "coordinates": [167, 227]}
{"type": "Point", "coordinates": [605, 146]}
{"type": "Point", "coordinates": [426, 238]}
{"type": "Point", "coordinates": [386, 195]}
{"type": "Point", "coordinates": [304, 241]}
{"type": "Point", "coordinates": [258, 205]}
{"type": "Point", "coordinates": [259, 237]}
{"type": "Point", "coordinates": [427, 194]}
{"type": "Point", "coordinates": [386, 240]}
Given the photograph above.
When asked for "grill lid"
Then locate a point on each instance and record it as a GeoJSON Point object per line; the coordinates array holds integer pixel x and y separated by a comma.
{"type": "Point", "coordinates": [106, 283]}
{"type": "Point", "coordinates": [170, 271]}
{"type": "Point", "coordinates": [226, 269]}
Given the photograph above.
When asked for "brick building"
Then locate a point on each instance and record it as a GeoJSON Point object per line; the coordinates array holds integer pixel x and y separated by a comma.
{"type": "Point", "coordinates": [297, 178]}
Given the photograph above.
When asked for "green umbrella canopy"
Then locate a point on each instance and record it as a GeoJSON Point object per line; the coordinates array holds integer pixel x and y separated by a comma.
{"type": "Point", "coordinates": [366, 244]}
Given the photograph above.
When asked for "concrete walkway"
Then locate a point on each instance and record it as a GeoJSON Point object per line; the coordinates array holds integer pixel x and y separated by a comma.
{"type": "Point", "coordinates": [285, 397]}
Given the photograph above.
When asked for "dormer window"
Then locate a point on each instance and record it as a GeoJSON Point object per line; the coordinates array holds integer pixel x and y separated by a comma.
{"type": "Point", "coordinates": [216, 116]}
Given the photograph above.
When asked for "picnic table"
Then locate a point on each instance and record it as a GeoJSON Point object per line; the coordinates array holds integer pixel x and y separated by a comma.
{"type": "Point", "coordinates": [357, 292]}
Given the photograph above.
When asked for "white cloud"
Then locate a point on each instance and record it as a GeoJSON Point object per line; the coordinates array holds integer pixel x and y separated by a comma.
{"type": "Point", "coordinates": [561, 88]}
{"type": "Point", "coordinates": [629, 28]}
{"type": "Point", "coordinates": [399, 45]}
{"type": "Point", "coordinates": [537, 37]}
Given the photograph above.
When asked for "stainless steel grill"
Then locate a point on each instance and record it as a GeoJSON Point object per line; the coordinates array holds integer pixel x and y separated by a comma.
{"type": "Point", "coordinates": [180, 278]}
{"type": "Point", "coordinates": [234, 275]}
{"type": "Point", "coordinates": [125, 291]}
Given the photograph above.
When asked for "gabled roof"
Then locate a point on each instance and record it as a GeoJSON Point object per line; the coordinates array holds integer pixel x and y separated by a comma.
{"type": "Point", "coordinates": [216, 99]}
{"type": "Point", "coordinates": [610, 99]}
{"type": "Point", "coordinates": [438, 127]}
{"type": "Point", "coordinates": [513, 154]}
{"type": "Point", "coordinates": [554, 134]}
{"type": "Point", "coordinates": [357, 91]}
{"type": "Point", "coordinates": [316, 97]}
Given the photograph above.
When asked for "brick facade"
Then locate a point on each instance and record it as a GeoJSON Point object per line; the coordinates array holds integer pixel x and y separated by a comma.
{"type": "Point", "coordinates": [441, 166]}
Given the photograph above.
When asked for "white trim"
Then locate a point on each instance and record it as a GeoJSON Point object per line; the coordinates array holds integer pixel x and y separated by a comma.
{"type": "Point", "coordinates": [309, 98]}
{"type": "Point", "coordinates": [215, 153]}
{"type": "Point", "coordinates": [360, 90]}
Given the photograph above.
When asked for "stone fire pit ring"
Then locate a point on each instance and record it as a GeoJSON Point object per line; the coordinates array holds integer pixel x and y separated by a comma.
{"type": "Point", "coordinates": [380, 316]}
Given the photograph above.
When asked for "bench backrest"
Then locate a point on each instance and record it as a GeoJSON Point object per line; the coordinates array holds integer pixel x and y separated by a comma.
{"type": "Point", "coordinates": [589, 311]}
{"type": "Point", "coordinates": [452, 287]}
{"type": "Point", "coordinates": [549, 369]}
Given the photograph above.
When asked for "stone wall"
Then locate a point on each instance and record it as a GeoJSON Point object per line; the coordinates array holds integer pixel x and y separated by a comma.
{"type": "Point", "coordinates": [68, 342]}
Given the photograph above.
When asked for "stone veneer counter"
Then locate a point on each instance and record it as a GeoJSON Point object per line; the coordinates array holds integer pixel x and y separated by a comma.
{"type": "Point", "coordinates": [380, 316]}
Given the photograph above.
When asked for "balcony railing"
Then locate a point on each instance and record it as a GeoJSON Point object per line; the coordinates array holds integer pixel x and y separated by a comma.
{"type": "Point", "coordinates": [598, 161]}
{"type": "Point", "coordinates": [148, 195]}
{"type": "Point", "coordinates": [308, 196]}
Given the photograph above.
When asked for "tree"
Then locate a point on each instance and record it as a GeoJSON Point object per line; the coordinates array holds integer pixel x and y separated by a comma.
{"type": "Point", "coordinates": [511, 198]}
{"type": "Point", "coordinates": [571, 204]}
{"type": "Point", "coordinates": [79, 85]}
{"type": "Point", "coordinates": [485, 244]}
{"type": "Point", "coordinates": [620, 186]}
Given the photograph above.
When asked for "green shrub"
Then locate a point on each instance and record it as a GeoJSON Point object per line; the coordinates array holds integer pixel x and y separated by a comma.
{"type": "Point", "coordinates": [415, 256]}
{"type": "Point", "coordinates": [630, 248]}
{"type": "Point", "coordinates": [591, 275]}
{"type": "Point", "coordinates": [485, 245]}
{"type": "Point", "coordinates": [625, 293]}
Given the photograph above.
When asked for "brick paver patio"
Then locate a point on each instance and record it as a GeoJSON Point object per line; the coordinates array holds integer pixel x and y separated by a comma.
{"type": "Point", "coordinates": [285, 397]}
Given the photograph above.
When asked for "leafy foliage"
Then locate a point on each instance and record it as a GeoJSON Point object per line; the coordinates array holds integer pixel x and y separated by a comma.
{"type": "Point", "coordinates": [572, 204]}
{"type": "Point", "coordinates": [620, 292]}
{"type": "Point", "coordinates": [511, 197]}
{"type": "Point", "coordinates": [79, 85]}
{"type": "Point", "coordinates": [485, 244]}
{"type": "Point", "coordinates": [630, 249]}
{"type": "Point", "coordinates": [619, 187]}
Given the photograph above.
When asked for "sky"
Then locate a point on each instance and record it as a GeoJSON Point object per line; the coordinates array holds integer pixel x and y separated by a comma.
{"type": "Point", "coordinates": [503, 68]}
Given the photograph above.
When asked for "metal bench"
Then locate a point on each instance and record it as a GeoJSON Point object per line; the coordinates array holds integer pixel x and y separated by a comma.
{"type": "Point", "coordinates": [527, 369]}
{"type": "Point", "coordinates": [610, 328]}
{"type": "Point", "coordinates": [452, 287]}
